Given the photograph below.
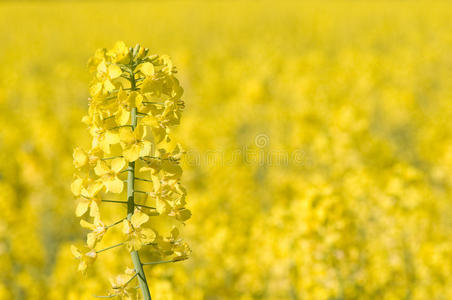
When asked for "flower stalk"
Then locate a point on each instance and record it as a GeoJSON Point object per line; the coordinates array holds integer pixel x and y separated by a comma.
{"type": "Point", "coordinates": [131, 207]}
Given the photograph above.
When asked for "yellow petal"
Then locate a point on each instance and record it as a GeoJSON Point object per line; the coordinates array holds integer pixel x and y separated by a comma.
{"type": "Point", "coordinates": [80, 157]}
{"type": "Point", "coordinates": [145, 169]}
{"type": "Point", "coordinates": [75, 252]}
{"type": "Point", "coordinates": [136, 244]}
{"type": "Point", "coordinates": [120, 47]}
{"type": "Point", "coordinates": [147, 69]}
{"type": "Point", "coordinates": [155, 182]}
{"type": "Point", "coordinates": [117, 164]}
{"type": "Point", "coordinates": [148, 85]}
{"type": "Point", "coordinates": [101, 168]}
{"type": "Point", "coordinates": [82, 207]}
{"type": "Point", "coordinates": [167, 61]}
{"type": "Point", "coordinates": [108, 86]}
{"type": "Point", "coordinates": [95, 89]}
{"type": "Point", "coordinates": [122, 95]}
{"type": "Point", "coordinates": [139, 132]}
{"type": "Point", "coordinates": [94, 188]}
{"type": "Point", "coordinates": [161, 206]}
{"type": "Point", "coordinates": [151, 121]}
{"type": "Point", "coordinates": [122, 116]}
{"type": "Point", "coordinates": [114, 71]}
{"type": "Point", "coordinates": [131, 99]}
{"type": "Point", "coordinates": [82, 266]}
{"type": "Point", "coordinates": [76, 186]}
{"type": "Point", "coordinates": [172, 168]}
{"type": "Point", "coordinates": [139, 218]}
{"type": "Point", "coordinates": [132, 153]}
{"type": "Point", "coordinates": [174, 233]}
{"type": "Point", "coordinates": [126, 136]}
{"type": "Point", "coordinates": [91, 239]}
{"type": "Point", "coordinates": [159, 134]}
{"type": "Point", "coordinates": [114, 185]}
{"type": "Point", "coordinates": [94, 210]}
{"type": "Point", "coordinates": [139, 102]}
{"type": "Point", "coordinates": [148, 235]}
{"type": "Point", "coordinates": [183, 214]}
{"type": "Point", "coordinates": [96, 59]}
{"type": "Point", "coordinates": [121, 52]}
{"type": "Point", "coordinates": [111, 137]}
{"type": "Point", "coordinates": [101, 68]}
{"type": "Point", "coordinates": [126, 228]}
{"type": "Point", "coordinates": [103, 145]}
{"type": "Point", "coordinates": [84, 193]}
{"type": "Point", "coordinates": [87, 225]}
{"type": "Point", "coordinates": [146, 147]}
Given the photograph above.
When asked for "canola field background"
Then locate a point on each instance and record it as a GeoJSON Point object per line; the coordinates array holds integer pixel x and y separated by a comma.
{"type": "Point", "coordinates": [318, 139]}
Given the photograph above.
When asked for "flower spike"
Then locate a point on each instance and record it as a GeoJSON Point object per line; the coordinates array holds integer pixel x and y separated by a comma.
{"type": "Point", "coordinates": [134, 101]}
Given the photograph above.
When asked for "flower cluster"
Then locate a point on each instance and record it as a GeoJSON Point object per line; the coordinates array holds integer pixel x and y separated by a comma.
{"type": "Point", "coordinates": [135, 100]}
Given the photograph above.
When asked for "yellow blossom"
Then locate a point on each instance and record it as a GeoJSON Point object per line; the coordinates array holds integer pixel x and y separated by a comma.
{"type": "Point", "coordinates": [98, 230]}
{"type": "Point", "coordinates": [133, 143]}
{"type": "Point", "coordinates": [136, 235]}
{"type": "Point", "coordinates": [87, 256]}
{"type": "Point", "coordinates": [109, 172]}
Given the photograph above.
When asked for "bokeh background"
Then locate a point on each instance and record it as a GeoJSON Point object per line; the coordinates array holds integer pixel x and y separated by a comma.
{"type": "Point", "coordinates": [318, 138]}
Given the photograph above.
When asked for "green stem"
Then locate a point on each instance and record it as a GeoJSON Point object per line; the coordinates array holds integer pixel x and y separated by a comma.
{"type": "Point", "coordinates": [159, 262]}
{"type": "Point", "coordinates": [115, 201]}
{"type": "Point", "coordinates": [112, 157]}
{"type": "Point", "coordinates": [145, 206]}
{"type": "Point", "coordinates": [114, 224]}
{"type": "Point", "coordinates": [111, 247]}
{"type": "Point", "coordinates": [131, 207]}
{"type": "Point", "coordinates": [128, 281]}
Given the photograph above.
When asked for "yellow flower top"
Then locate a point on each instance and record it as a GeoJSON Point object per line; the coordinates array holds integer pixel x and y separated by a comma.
{"type": "Point", "coordinates": [135, 99]}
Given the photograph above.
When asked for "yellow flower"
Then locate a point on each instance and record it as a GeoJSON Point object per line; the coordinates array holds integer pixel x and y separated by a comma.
{"type": "Point", "coordinates": [166, 163]}
{"type": "Point", "coordinates": [87, 256]}
{"type": "Point", "coordinates": [104, 138]}
{"type": "Point", "coordinates": [89, 199]}
{"type": "Point", "coordinates": [119, 53]}
{"type": "Point", "coordinates": [181, 214]}
{"type": "Point", "coordinates": [103, 84]}
{"type": "Point", "coordinates": [94, 61]}
{"type": "Point", "coordinates": [82, 158]}
{"type": "Point", "coordinates": [170, 198]}
{"type": "Point", "coordinates": [137, 236]}
{"type": "Point", "coordinates": [98, 230]}
{"type": "Point", "coordinates": [133, 144]}
{"type": "Point", "coordinates": [125, 103]}
{"type": "Point", "coordinates": [167, 64]}
{"type": "Point", "coordinates": [181, 251]}
{"type": "Point", "coordinates": [166, 244]}
{"type": "Point", "coordinates": [121, 285]}
{"type": "Point", "coordinates": [109, 174]}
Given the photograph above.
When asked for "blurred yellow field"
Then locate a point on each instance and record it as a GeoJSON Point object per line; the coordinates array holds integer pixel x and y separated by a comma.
{"type": "Point", "coordinates": [318, 141]}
